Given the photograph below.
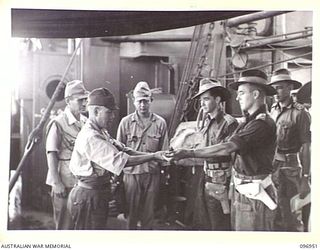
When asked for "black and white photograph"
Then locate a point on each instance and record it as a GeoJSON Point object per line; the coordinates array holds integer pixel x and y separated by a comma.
{"type": "Point", "coordinates": [194, 122]}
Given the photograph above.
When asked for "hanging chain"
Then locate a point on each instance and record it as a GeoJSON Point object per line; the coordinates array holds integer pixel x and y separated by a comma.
{"type": "Point", "coordinates": [193, 84]}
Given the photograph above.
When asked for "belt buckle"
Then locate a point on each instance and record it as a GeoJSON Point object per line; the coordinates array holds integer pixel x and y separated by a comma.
{"type": "Point", "coordinates": [291, 157]}
{"type": "Point", "coordinates": [213, 166]}
{"type": "Point", "coordinates": [218, 176]}
{"type": "Point", "coordinates": [219, 172]}
{"type": "Point", "coordinates": [287, 157]}
{"type": "Point", "coordinates": [215, 173]}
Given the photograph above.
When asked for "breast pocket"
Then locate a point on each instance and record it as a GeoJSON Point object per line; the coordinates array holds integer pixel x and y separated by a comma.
{"type": "Point", "coordinates": [132, 140]}
{"type": "Point", "coordinates": [153, 142]}
{"type": "Point", "coordinates": [284, 132]}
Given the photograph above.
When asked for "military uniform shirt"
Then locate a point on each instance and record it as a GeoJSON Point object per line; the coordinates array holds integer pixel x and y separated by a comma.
{"type": "Point", "coordinates": [293, 127]}
{"type": "Point", "coordinates": [94, 152]}
{"type": "Point", "coordinates": [61, 135]}
{"type": "Point", "coordinates": [216, 130]}
{"type": "Point", "coordinates": [255, 139]}
{"type": "Point", "coordinates": [151, 138]}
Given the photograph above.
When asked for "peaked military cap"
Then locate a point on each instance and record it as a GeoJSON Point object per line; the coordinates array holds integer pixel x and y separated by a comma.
{"type": "Point", "coordinates": [75, 88]}
{"type": "Point", "coordinates": [102, 97]}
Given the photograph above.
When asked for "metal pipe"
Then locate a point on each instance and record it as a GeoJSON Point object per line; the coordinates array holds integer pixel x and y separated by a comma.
{"type": "Point", "coordinates": [35, 135]}
{"type": "Point", "coordinates": [171, 75]}
{"type": "Point", "coordinates": [271, 41]}
{"type": "Point", "coordinates": [306, 31]}
{"type": "Point", "coordinates": [266, 65]}
{"type": "Point", "coordinates": [232, 22]}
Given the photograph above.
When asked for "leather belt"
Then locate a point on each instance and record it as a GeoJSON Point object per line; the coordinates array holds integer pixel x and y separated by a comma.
{"type": "Point", "coordinates": [249, 178]}
{"type": "Point", "coordinates": [219, 176]}
{"type": "Point", "coordinates": [291, 157]}
{"type": "Point", "coordinates": [217, 172]}
{"type": "Point", "coordinates": [92, 186]}
{"type": "Point", "coordinates": [214, 166]}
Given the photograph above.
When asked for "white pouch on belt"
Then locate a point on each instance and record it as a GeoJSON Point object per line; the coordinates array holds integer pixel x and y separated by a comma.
{"type": "Point", "coordinates": [249, 189]}
{"type": "Point", "coordinates": [256, 190]}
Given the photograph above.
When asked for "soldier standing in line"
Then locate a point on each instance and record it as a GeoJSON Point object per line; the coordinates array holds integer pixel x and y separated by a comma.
{"type": "Point", "coordinates": [61, 135]}
{"type": "Point", "coordinates": [292, 157]}
{"type": "Point", "coordinates": [142, 131]}
{"type": "Point", "coordinates": [217, 126]}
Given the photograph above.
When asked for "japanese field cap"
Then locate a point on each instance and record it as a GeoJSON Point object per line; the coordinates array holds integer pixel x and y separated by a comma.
{"type": "Point", "coordinates": [283, 75]}
{"type": "Point", "coordinates": [256, 77]}
{"type": "Point", "coordinates": [75, 88]}
{"type": "Point", "coordinates": [142, 92]}
{"type": "Point", "coordinates": [206, 84]}
{"type": "Point", "coordinates": [102, 97]}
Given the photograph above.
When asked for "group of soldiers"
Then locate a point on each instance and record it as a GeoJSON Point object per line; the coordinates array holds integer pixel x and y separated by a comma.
{"type": "Point", "coordinates": [252, 166]}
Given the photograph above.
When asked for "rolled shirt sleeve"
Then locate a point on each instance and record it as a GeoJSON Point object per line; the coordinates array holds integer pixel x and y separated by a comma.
{"type": "Point", "coordinates": [107, 156]}
{"type": "Point", "coordinates": [53, 140]}
{"type": "Point", "coordinates": [95, 149]}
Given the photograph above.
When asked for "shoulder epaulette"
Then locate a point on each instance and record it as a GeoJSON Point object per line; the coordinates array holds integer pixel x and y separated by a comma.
{"type": "Point", "coordinates": [261, 116]}
{"type": "Point", "coordinates": [229, 118]}
{"type": "Point", "coordinates": [298, 106]}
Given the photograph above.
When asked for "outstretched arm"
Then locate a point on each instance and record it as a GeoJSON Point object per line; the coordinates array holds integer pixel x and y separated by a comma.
{"type": "Point", "coordinates": [221, 149]}
{"type": "Point", "coordinates": [145, 157]}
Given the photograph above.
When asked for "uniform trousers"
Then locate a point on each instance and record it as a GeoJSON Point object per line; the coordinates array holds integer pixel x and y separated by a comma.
{"type": "Point", "coordinates": [61, 216]}
{"type": "Point", "coordinates": [141, 191]}
{"type": "Point", "coordinates": [218, 220]}
{"type": "Point", "coordinates": [287, 178]}
{"type": "Point", "coordinates": [89, 208]}
{"type": "Point", "coordinates": [250, 214]}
